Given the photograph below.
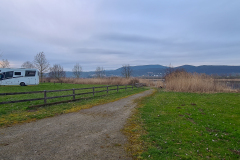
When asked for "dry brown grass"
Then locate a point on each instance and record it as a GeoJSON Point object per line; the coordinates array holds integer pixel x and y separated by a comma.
{"type": "Point", "coordinates": [225, 80]}
{"type": "Point", "coordinates": [107, 81]}
{"type": "Point", "coordinates": [188, 82]}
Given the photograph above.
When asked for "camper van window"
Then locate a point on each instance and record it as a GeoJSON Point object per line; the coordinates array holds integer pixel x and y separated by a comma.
{"type": "Point", "coordinates": [30, 73]}
{"type": "Point", "coordinates": [1, 76]}
{"type": "Point", "coordinates": [17, 73]}
{"type": "Point", "coordinates": [9, 74]}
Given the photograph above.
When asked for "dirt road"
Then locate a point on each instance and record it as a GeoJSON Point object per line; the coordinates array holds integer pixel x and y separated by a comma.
{"type": "Point", "coordinates": [93, 133]}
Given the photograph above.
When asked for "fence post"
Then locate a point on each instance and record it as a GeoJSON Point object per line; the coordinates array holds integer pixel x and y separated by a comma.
{"type": "Point", "coordinates": [107, 89]}
{"type": "Point", "coordinates": [73, 94]}
{"type": "Point", "coordinates": [132, 86]}
{"type": "Point", "coordinates": [125, 87]}
{"type": "Point", "coordinates": [93, 91]}
{"type": "Point", "coordinates": [45, 96]}
{"type": "Point", "coordinates": [117, 88]}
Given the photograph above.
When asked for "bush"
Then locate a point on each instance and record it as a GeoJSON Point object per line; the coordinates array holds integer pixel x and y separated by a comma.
{"type": "Point", "coordinates": [133, 81]}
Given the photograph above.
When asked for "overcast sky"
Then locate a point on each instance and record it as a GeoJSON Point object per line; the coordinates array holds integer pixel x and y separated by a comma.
{"type": "Point", "coordinates": [110, 33]}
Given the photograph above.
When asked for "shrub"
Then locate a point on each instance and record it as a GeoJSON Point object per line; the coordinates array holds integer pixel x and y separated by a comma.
{"type": "Point", "coordinates": [133, 81]}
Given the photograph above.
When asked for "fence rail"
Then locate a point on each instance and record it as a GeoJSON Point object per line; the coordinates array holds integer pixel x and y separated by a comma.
{"type": "Point", "coordinates": [45, 98]}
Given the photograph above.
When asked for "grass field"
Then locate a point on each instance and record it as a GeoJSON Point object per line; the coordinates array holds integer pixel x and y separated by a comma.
{"type": "Point", "coordinates": [19, 112]}
{"type": "Point", "coordinates": [106, 81]}
{"type": "Point", "coordinates": [175, 125]}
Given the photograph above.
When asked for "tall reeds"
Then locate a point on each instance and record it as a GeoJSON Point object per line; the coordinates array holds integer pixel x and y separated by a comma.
{"type": "Point", "coordinates": [182, 81]}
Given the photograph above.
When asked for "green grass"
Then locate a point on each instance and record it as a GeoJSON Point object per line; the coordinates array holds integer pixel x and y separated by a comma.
{"type": "Point", "coordinates": [19, 112]}
{"type": "Point", "coordinates": [190, 126]}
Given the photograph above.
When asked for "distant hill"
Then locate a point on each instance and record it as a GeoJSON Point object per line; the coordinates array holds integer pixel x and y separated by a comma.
{"type": "Point", "coordinates": [158, 70]}
{"type": "Point", "coordinates": [212, 69]}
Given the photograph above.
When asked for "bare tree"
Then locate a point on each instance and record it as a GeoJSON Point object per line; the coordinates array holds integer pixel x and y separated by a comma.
{"type": "Point", "coordinates": [127, 71]}
{"type": "Point", "coordinates": [4, 63]}
{"type": "Point", "coordinates": [57, 72]}
{"type": "Point", "coordinates": [100, 72]}
{"type": "Point", "coordinates": [77, 70]}
{"type": "Point", "coordinates": [41, 63]}
{"type": "Point", "coordinates": [169, 70]}
{"type": "Point", "coordinates": [27, 64]}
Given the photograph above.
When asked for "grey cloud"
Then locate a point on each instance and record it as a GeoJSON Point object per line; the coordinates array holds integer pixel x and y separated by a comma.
{"type": "Point", "coordinates": [127, 38]}
{"type": "Point", "coordinates": [111, 33]}
{"type": "Point", "coordinates": [99, 51]}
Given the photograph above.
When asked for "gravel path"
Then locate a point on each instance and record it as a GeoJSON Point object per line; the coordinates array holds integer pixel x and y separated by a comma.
{"type": "Point", "coordinates": [93, 133]}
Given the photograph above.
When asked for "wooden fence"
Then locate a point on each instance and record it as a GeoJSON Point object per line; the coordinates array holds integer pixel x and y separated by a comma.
{"type": "Point", "coordinates": [45, 98]}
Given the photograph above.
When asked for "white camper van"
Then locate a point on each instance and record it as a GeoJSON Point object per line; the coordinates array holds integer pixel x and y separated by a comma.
{"type": "Point", "coordinates": [19, 76]}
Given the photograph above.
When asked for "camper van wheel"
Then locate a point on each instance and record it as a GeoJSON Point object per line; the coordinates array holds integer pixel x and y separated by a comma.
{"type": "Point", "coordinates": [22, 84]}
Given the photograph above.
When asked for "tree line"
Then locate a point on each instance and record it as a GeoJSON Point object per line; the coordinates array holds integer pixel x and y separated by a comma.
{"type": "Point", "coordinates": [56, 71]}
